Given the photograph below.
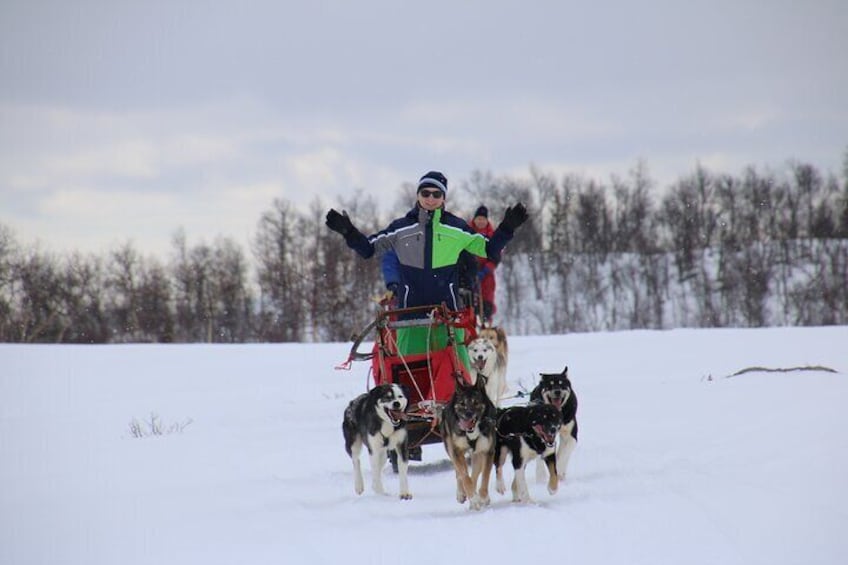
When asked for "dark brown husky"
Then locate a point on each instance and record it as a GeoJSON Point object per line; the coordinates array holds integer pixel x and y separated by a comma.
{"type": "Point", "coordinates": [468, 428]}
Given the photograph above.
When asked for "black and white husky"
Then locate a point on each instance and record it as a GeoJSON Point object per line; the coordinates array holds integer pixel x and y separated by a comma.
{"type": "Point", "coordinates": [525, 433]}
{"type": "Point", "coordinates": [377, 419]}
{"type": "Point", "coordinates": [555, 389]}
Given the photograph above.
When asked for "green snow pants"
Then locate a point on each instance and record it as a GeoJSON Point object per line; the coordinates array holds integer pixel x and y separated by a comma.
{"type": "Point", "coordinates": [412, 341]}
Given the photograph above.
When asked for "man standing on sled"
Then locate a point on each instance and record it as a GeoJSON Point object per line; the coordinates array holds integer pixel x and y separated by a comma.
{"type": "Point", "coordinates": [428, 242]}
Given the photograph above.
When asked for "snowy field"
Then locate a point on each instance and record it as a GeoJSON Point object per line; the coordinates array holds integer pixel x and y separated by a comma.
{"type": "Point", "coordinates": [676, 463]}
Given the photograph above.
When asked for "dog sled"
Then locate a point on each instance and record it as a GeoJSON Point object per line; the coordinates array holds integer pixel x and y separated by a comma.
{"type": "Point", "coordinates": [430, 377]}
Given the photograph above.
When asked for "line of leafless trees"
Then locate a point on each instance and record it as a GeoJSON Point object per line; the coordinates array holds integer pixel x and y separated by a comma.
{"type": "Point", "coordinates": [714, 250]}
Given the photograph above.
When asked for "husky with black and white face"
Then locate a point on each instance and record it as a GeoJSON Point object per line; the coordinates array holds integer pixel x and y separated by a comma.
{"type": "Point", "coordinates": [377, 420]}
{"type": "Point", "coordinates": [468, 429]}
{"type": "Point", "coordinates": [555, 389]}
{"type": "Point", "coordinates": [526, 433]}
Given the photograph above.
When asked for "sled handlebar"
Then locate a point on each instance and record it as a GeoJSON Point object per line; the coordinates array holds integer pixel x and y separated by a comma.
{"type": "Point", "coordinates": [388, 319]}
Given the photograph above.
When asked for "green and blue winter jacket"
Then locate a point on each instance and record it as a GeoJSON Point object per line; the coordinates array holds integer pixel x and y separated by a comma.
{"type": "Point", "coordinates": [428, 247]}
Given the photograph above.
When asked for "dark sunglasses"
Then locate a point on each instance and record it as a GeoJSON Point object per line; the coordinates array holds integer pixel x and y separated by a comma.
{"type": "Point", "coordinates": [433, 193]}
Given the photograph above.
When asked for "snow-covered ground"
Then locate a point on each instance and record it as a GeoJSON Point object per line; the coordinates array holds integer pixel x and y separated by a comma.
{"type": "Point", "coordinates": [676, 463]}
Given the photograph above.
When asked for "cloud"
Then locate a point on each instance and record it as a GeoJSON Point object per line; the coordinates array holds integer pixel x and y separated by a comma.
{"type": "Point", "coordinates": [204, 134]}
{"type": "Point", "coordinates": [137, 159]}
{"type": "Point", "coordinates": [95, 205]}
{"type": "Point", "coordinates": [523, 115]}
{"type": "Point", "coordinates": [141, 175]}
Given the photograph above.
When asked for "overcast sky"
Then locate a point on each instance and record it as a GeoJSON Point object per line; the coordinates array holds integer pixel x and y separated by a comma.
{"type": "Point", "coordinates": [126, 120]}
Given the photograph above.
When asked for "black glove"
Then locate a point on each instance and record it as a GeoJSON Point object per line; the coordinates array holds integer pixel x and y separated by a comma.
{"type": "Point", "coordinates": [339, 222]}
{"type": "Point", "coordinates": [393, 288]}
{"type": "Point", "coordinates": [514, 217]}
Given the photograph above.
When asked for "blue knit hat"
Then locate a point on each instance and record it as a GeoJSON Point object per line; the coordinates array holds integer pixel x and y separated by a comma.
{"type": "Point", "coordinates": [434, 179]}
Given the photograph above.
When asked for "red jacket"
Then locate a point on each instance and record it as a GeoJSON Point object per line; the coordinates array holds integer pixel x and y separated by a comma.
{"type": "Point", "coordinates": [487, 266]}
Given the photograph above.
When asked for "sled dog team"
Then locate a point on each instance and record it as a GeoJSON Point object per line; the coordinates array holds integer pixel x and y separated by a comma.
{"type": "Point", "coordinates": [473, 428]}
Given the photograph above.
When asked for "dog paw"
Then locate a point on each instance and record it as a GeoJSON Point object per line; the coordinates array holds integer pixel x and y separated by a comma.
{"type": "Point", "coordinates": [406, 496]}
{"type": "Point", "coordinates": [475, 503]}
{"type": "Point", "coordinates": [460, 495]}
{"type": "Point", "coordinates": [552, 489]}
{"type": "Point", "coordinates": [500, 487]}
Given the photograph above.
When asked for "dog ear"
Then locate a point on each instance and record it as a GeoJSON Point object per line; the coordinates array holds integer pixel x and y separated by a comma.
{"type": "Point", "coordinates": [565, 371]}
{"type": "Point", "coordinates": [459, 380]}
{"type": "Point", "coordinates": [375, 393]}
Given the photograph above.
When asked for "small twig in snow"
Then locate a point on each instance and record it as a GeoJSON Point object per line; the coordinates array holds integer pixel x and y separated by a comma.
{"type": "Point", "coordinates": [155, 427]}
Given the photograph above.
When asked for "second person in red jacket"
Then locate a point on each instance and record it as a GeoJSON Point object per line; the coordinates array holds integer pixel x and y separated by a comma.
{"type": "Point", "coordinates": [485, 266]}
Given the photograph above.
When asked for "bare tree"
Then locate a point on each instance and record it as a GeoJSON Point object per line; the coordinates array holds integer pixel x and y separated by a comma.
{"type": "Point", "coordinates": [690, 218]}
{"type": "Point", "coordinates": [8, 253]}
{"type": "Point", "coordinates": [842, 213]}
{"type": "Point", "coordinates": [809, 186]}
{"type": "Point", "coordinates": [85, 318]}
{"type": "Point", "coordinates": [39, 302]}
{"type": "Point", "coordinates": [154, 304]}
{"type": "Point", "coordinates": [211, 294]}
{"type": "Point", "coordinates": [123, 279]}
{"type": "Point", "coordinates": [348, 284]}
{"type": "Point", "coordinates": [282, 284]}
{"type": "Point", "coordinates": [633, 229]}
{"type": "Point", "coordinates": [233, 304]}
{"type": "Point", "coordinates": [593, 221]}
{"type": "Point", "coordinates": [187, 311]}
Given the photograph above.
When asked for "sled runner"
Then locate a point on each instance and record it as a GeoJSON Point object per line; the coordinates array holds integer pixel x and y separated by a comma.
{"type": "Point", "coordinates": [429, 377]}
